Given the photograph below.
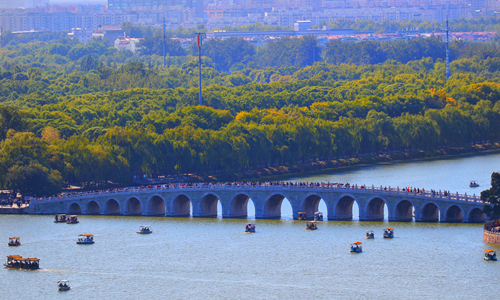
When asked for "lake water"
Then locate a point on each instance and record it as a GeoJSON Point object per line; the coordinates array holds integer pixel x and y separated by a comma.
{"type": "Point", "coordinates": [214, 259]}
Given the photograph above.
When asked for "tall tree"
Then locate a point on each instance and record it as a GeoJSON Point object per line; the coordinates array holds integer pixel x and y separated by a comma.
{"type": "Point", "coordinates": [492, 197]}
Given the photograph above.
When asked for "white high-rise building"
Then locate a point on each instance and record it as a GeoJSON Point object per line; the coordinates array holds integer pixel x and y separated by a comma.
{"type": "Point", "coordinates": [10, 4]}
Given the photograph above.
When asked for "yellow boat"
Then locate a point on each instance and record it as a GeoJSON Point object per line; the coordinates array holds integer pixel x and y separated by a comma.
{"type": "Point", "coordinates": [72, 220]}
{"type": "Point", "coordinates": [18, 262]}
{"type": "Point", "coordinates": [14, 241]}
{"type": "Point", "coordinates": [85, 239]}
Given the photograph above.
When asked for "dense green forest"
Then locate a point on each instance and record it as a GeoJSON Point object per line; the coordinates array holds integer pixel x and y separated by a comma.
{"type": "Point", "coordinates": [90, 114]}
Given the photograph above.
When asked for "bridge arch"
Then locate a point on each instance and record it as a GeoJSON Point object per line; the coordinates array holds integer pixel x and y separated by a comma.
{"type": "Point", "coordinates": [92, 208]}
{"type": "Point", "coordinates": [430, 212]}
{"type": "Point", "coordinates": [476, 215]}
{"type": "Point", "coordinates": [310, 205]}
{"type": "Point", "coordinates": [74, 209]}
{"type": "Point", "coordinates": [112, 207]}
{"type": "Point", "coordinates": [454, 214]}
{"type": "Point", "coordinates": [133, 207]}
{"type": "Point", "coordinates": [181, 206]}
{"type": "Point", "coordinates": [343, 207]}
{"type": "Point", "coordinates": [374, 209]}
{"type": "Point", "coordinates": [207, 207]}
{"type": "Point", "coordinates": [272, 207]}
{"type": "Point", "coordinates": [238, 207]}
{"type": "Point", "coordinates": [156, 206]}
{"type": "Point", "coordinates": [403, 211]}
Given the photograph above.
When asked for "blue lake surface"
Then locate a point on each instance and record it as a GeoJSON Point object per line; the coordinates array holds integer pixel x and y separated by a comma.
{"type": "Point", "coordinates": [188, 258]}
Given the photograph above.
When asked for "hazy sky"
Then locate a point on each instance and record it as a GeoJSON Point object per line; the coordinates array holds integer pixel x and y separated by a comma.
{"type": "Point", "coordinates": [78, 1]}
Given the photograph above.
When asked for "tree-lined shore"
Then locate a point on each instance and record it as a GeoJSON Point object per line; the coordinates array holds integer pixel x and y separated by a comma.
{"type": "Point", "coordinates": [91, 115]}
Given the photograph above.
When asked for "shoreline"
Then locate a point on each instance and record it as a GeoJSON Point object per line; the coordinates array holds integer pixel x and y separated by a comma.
{"type": "Point", "coordinates": [322, 167]}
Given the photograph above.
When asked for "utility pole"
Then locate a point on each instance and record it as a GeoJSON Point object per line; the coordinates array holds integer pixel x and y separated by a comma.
{"type": "Point", "coordinates": [199, 42]}
{"type": "Point", "coordinates": [164, 42]}
{"type": "Point", "coordinates": [447, 52]}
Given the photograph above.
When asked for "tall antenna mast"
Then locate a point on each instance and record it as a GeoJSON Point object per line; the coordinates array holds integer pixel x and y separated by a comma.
{"type": "Point", "coordinates": [447, 51]}
{"type": "Point", "coordinates": [164, 42]}
{"type": "Point", "coordinates": [199, 42]}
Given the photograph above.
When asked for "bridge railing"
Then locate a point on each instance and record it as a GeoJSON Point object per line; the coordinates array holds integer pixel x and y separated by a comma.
{"type": "Point", "coordinates": [411, 192]}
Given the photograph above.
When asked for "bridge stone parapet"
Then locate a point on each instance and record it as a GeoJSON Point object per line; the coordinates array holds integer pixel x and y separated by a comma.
{"type": "Point", "coordinates": [200, 200]}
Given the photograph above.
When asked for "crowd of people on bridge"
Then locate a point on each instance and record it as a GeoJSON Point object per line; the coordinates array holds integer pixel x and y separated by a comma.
{"type": "Point", "coordinates": [255, 184]}
{"type": "Point", "coordinates": [11, 202]}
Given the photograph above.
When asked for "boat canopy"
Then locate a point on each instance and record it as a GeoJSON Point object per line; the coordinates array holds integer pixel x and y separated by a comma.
{"type": "Point", "coordinates": [357, 243]}
{"type": "Point", "coordinates": [488, 251]}
{"type": "Point", "coordinates": [389, 228]}
{"type": "Point", "coordinates": [369, 231]}
{"type": "Point", "coordinates": [60, 214]}
{"type": "Point", "coordinates": [251, 224]}
{"type": "Point", "coordinates": [301, 212]}
{"type": "Point", "coordinates": [145, 225]}
{"type": "Point", "coordinates": [63, 281]}
{"type": "Point", "coordinates": [32, 259]}
{"type": "Point", "coordinates": [14, 238]}
{"type": "Point", "coordinates": [86, 235]}
{"type": "Point", "coordinates": [318, 213]}
{"type": "Point", "coordinates": [73, 216]}
{"type": "Point", "coordinates": [14, 256]}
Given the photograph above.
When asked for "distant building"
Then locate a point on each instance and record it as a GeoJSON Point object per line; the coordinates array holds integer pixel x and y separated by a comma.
{"type": "Point", "coordinates": [127, 44]}
{"type": "Point", "coordinates": [300, 26]}
{"type": "Point", "coordinates": [195, 5]}
{"type": "Point", "coordinates": [109, 32]}
{"type": "Point", "coordinates": [11, 4]}
{"type": "Point", "coordinates": [84, 35]}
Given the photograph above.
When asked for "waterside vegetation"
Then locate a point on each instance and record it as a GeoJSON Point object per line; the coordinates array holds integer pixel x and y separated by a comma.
{"type": "Point", "coordinates": [90, 114]}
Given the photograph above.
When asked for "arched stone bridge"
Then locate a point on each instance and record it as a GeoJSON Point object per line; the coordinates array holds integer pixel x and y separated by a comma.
{"type": "Point", "coordinates": [177, 200]}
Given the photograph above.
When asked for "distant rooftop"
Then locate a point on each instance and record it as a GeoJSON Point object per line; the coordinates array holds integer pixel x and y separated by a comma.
{"type": "Point", "coordinates": [221, 34]}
